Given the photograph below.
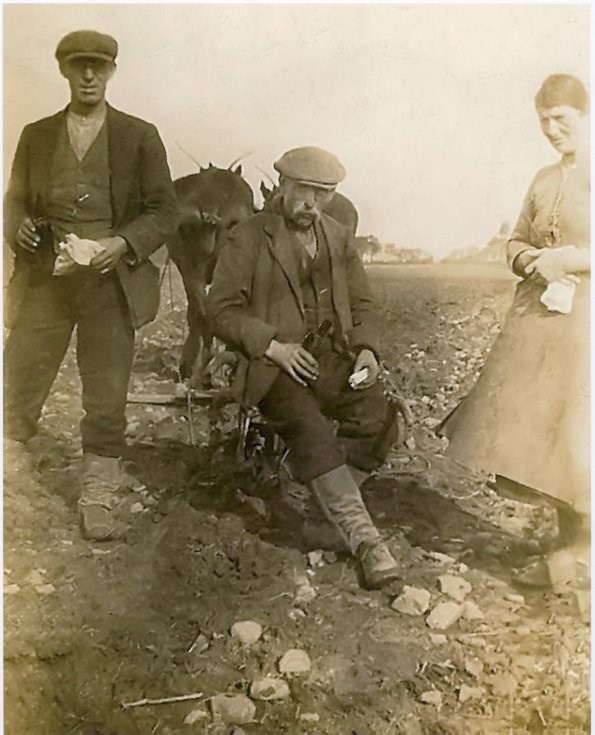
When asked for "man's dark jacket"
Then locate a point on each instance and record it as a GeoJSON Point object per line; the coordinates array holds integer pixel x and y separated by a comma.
{"type": "Point", "coordinates": [256, 296]}
{"type": "Point", "coordinates": [144, 205]}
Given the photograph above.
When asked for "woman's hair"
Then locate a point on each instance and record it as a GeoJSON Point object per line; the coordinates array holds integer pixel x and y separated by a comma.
{"type": "Point", "coordinates": [562, 89]}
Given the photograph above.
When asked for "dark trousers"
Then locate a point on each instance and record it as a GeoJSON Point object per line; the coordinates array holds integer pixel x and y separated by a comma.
{"type": "Point", "coordinates": [303, 417]}
{"type": "Point", "coordinates": [38, 341]}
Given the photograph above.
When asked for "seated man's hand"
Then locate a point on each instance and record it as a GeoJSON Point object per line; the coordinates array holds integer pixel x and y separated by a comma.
{"type": "Point", "coordinates": [367, 360]}
{"type": "Point", "coordinates": [115, 249]}
{"type": "Point", "coordinates": [294, 359]}
{"type": "Point", "coordinates": [26, 236]}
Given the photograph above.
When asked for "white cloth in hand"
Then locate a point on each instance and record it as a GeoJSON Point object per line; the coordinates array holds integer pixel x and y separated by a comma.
{"type": "Point", "coordinates": [73, 252]}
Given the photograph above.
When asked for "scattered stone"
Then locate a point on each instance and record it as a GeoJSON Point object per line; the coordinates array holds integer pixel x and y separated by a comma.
{"type": "Point", "coordinates": [295, 661]}
{"type": "Point", "coordinates": [246, 631]}
{"type": "Point", "coordinates": [412, 601]}
{"type": "Point", "coordinates": [310, 717]}
{"type": "Point", "coordinates": [466, 693]}
{"type": "Point", "coordinates": [473, 666]}
{"type": "Point", "coordinates": [410, 443]}
{"type": "Point", "coordinates": [235, 709]}
{"type": "Point", "coordinates": [137, 508]}
{"type": "Point", "coordinates": [432, 697]}
{"type": "Point", "coordinates": [438, 556]}
{"type": "Point", "coordinates": [304, 593]}
{"type": "Point", "coordinates": [518, 599]}
{"type": "Point", "coordinates": [455, 587]}
{"type": "Point", "coordinates": [444, 615]}
{"type": "Point", "coordinates": [503, 685]}
{"type": "Point", "coordinates": [196, 715]}
{"type": "Point", "coordinates": [315, 558]}
{"type": "Point", "coordinates": [45, 589]}
{"type": "Point", "coordinates": [269, 688]}
{"type": "Point", "coordinates": [200, 645]}
{"type": "Point", "coordinates": [473, 640]}
{"type": "Point", "coordinates": [431, 422]}
{"type": "Point", "coordinates": [36, 578]}
{"type": "Point", "coordinates": [462, 569]}
{"type": "Point", "coordinates": [472, 611]}
{"type": "Point", "coordinates": [438, 639]}
{"type": "Point", "coordinates": [11, 589]}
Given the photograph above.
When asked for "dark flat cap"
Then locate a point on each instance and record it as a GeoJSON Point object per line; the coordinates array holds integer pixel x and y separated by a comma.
{"type": "Point", "coordinates": [311, 165]}
{"type": "Point", "coordinates": [89, 44]}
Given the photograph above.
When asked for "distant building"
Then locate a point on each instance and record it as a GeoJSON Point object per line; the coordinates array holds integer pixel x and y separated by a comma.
{"type": "Point", "coordinates": [493, 252]}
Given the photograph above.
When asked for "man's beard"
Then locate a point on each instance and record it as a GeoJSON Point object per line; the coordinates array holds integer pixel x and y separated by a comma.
{"type": "Point", "coordinates": [301, 220]}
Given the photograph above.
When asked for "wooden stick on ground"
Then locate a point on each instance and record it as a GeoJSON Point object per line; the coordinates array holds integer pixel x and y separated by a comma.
{"type": "Point", "coordinates": [164, 700]}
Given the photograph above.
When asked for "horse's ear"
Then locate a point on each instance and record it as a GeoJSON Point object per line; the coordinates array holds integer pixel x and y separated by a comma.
{"type": "Point", "coordinates": [238, 169]}
{"type": "Point", "coordinates": [265, 191]}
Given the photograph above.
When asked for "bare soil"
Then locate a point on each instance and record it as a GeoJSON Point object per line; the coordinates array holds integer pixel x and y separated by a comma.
{"type": "Point", "coordinates": [90, 628]}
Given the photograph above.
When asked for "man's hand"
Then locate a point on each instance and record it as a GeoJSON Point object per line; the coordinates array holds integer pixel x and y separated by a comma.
{"type": "Point", "coordinates": [115, 249]}
{"type": "Point", "coordinates": [294, 359]}
{"type": "Point", "coordinates": [27, 237]}
{"type": "Point", "coordinates": [367, 359]}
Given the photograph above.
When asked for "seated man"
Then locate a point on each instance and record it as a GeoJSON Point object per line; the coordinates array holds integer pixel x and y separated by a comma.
{"type": "Point", "coordinates": [282, 275]}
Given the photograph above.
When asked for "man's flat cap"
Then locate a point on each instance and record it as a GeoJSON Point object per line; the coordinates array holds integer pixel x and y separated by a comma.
{"type": "Point", "coordinates": [88, 44]}
{"type": "Point", "coordinates": [311, 165]}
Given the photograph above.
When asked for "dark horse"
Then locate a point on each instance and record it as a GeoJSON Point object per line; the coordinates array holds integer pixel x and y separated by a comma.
{"type": "Point", "coordinates": [211, 203]}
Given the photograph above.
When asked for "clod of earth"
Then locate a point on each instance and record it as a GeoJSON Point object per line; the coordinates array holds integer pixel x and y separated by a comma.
{"type": "Point", "coordinates": [196, 715]}
{"type": "Point", "coordinates": [295, 661]}
{"type": "Point", "coordinates": [455, 587]}
{"type": "Point", "coordinates": [247, 632]}
{"type": "Point", "coordinates": [234, 709]}
{"type": "Point", "coordinates": [269, 688]}
{"type": "Point", "coordinates": [444, 615]}
{"type": "Point", "coordinates": [466, 693]}
{"type": "Point", "coordinates": [472, 611]}
{"type": "Point", "coordinates": [432, 697]}
{"type": "Point", "coordinates": [412, 601]}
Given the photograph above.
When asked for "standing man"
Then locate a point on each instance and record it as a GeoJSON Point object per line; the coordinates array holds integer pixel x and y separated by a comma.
{"type": "Point", "coordinates": [285, 275]}
{"type": "Point", "coordinates": [102, 175]}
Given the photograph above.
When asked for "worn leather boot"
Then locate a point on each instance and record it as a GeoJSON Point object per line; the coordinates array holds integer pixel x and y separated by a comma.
{"type": "Point", "coordinates": [342, 503]}
{"type": "Point", "coordinates": [101, 479]}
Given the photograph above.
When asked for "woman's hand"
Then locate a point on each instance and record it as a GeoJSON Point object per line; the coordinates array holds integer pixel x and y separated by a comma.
{"type": "Point", "coordinates": [554, 264]}
{"type": "Point", "coordinates": [294, 359]}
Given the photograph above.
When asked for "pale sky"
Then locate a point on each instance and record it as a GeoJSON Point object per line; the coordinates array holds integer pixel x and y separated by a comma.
{"type": "Point", "coordinates": [430, 107]}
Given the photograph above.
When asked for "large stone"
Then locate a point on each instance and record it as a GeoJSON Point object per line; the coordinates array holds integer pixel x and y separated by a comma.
{"type": "Point", "coordinates": [269, 688]}
{"type": "Point", "coordinates": [444, 615]}
{"type": "Point", "coordinates": [246, 631]}
{"type": "Point", "coordinates": [234, 709]}
{"type": "Point", "coordinates": [295, 661]}
{"type": "Point", "coordinates": [466, 693]}
{"type": "Point", "coordinates": [433, 696]}
{"type": "Point", "coordinates": [412, 601]}
{"type": "Point", "coordinates": [455, 587]}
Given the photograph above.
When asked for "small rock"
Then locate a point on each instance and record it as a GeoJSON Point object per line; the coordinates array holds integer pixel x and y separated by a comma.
{"type": "Point", "coordinates": [517, 599]}
{"type": "Point", "coordinates": [295, 661]}
{"type": "Point", "coordinates": [431, 422]}
{"type": "Point", "coordinates": [438, 556]}
{"type": "Point", "coordinates": [438, 639]}
{"type": "Point", "coordinates": [196, 715]}
{"type": "Point", "coordinates": [410, 443]}
{"type": "Point", "coordinates": [473, 666]}
{"type": "Point", "coordinates": [472, 640]}
{"type": "Point", "coordinates": [304, 593]}
{"type": "Point", "coordinates": [455, 587]}
{"type": "Point", "coordinates": [200, 645]}
{"type": "Point", "coordinates": [503, 685]}
{"type": "Point", "coordinates": [412, 601]}
{"type": "Point", "coordinates": [36, 578]}
{"type": "Point", "coordinates": [309, 717]}
{"type": "Point", "coordinates": [472, 611]}
{"type": "Point", "coordinates": [137, 508]}
{"type": "Point", "coordinates": [235, 709]}
{"type": "Point", "coordinates": [466, 693]}
{"type": "Point", "coordinates": [246, 631]}
{"type": "Point", "coordinates": [11, 589]}
{"type": "Point", "coordinates": [444, 615]}
{"type": "Point", "coordinates": [315, 558]}
{"type": "Point", "coordinates": [433, 696]}
{"type": "Point", "coordinates": [269, 688]}
{"type": "Point", "coordinates": [45, 589]}
{"type": "Point", "coordinates": [462, 568]}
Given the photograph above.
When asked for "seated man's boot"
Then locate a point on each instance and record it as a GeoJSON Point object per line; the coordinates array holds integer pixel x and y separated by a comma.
{"type": "Point", "coordinates": [101, 479]}
{"type": "Point", "coordinates": [342, 503]}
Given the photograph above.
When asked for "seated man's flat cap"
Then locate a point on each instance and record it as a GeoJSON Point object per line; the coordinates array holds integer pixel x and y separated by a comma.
{"type": "Point", "coordinates": [87, 44]}
{"type": "Point", "coordinates": [311, 165]}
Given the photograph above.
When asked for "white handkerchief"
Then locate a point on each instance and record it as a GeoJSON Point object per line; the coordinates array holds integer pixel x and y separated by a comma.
{"type": "Point", "coordinates": [559, 296]}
